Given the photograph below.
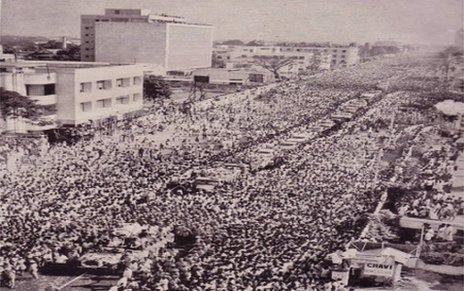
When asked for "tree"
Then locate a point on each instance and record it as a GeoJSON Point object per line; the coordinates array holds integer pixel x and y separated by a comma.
{"type": "Point", "coordinates": [273, 63]}
{"type": "Point", "coordinates": [71, 53]}
{"type": "Point", "coordinates": [155, 88]}
{"type": "Point", "coordinates": [51, 44]}
{"type": "Point", "coordinates": [255, 43]}
{"type": "Point", "coordinates": [13, 104]}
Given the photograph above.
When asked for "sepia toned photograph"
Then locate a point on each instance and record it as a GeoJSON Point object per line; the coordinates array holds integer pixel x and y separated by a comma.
{"type": "Point", "coordinates": [231, 145]}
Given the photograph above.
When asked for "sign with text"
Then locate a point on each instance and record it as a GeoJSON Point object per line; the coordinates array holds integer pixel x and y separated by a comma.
{"type": "Point", "coordinates": [379, 269]}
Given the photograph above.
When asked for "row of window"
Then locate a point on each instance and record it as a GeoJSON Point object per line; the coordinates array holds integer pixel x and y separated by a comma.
{"type": "Point", "coordinates": [107, 102]}
{"type": "Point", "coordinates": [298, 50]}
{"type": "Point", "coordinates": [86, 87]}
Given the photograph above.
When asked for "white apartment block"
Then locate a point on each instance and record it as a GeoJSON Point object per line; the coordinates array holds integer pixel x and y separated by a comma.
{"type": "Point", "coordinates": [327, 57]}
{"type": "Point", "coordinates": [79, 91]}
{"type": "Point", "coordinates": [129, 36]}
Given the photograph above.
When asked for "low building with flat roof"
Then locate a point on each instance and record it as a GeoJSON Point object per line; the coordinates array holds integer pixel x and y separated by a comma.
{"type": "Point", "coordinates": [79, 91]}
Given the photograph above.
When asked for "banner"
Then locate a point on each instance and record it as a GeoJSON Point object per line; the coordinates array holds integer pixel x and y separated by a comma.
{"type": "Point", "coordinates": [379, 269]}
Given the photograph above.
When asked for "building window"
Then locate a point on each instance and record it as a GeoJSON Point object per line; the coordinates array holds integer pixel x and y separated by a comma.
{"type": "Point", "coordinates": [104, 85]}
{"type": "Point", "coordinates": [40, 90]}
{"type": "Point", "coordinates": [137, 97]}
{"type": "Point", "coordinates": [87, 27]}
{"type": "Point", "coordinates": [117, 12]}
{"type": "Point", "coordinates": [104, 103]}
{"type": "Point", "coordinates": [137, 80]}
{"type": "Point", "coordinates": [86, 106]}
{"type": "Point", "coordinates": [120, 20]}
{"type": "Point", "coordinates": [85, 87]}
{"type": "Point", "coordinates": [49, 89]}
{"type": "Point", "coordinates": [122, 99]}
{"type": "Point", "coordinates": [123, 82]}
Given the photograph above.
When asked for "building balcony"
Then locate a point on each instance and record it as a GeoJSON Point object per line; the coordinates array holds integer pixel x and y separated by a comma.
{"type": "Point", "coordinates": [45, 99]}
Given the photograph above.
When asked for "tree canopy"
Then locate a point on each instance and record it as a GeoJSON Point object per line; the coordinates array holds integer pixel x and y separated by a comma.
{"type": "Point", "coordinates": [13, 104]}
{"type": "Point", "coordinates": [273, 64]}
{"type": "Point", "coordinates": [155, 88]}
{"type": "Point", "coordinates": [71, 53]}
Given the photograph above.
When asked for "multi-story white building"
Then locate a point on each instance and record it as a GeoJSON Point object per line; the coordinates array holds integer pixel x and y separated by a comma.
{"type": "Point", "coordinates": [79, 91]}
{"type": "Point", "coordinates": [325, 57]}
{"type": "Point", "coordinates": [167, 43]}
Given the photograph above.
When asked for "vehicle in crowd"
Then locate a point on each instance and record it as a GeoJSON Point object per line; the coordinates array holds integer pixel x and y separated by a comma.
{"type": "Point", "coordinates": [104, 260]}
{"type": "Point", "coordinates": [288, 145]}
{"type": "Point", "coordinates": [341, 116]}
{"type": "Point", "coordinates": [301, 137]}
{"type": "Point", "coordinates": [264, 157]}
{"type": "Point", "coordinates": [241, 167]}
{"type": "Point", "coordinates": [206, 183]}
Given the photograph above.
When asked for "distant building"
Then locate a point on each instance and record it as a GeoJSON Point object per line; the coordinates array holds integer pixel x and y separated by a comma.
{"type": "Point", "coordinates": [234, 76]}
{"type": "Point", "coordinates": [459, 38]}
{"type": "Point", "coordinates": [137, 36]}
{"type": "Point", "coordinates": [324, 57]}
{"type": "Point", "coordinates": [5, 57]}
{"type": "Point", "coordinates": [222, 76]}
{"type": "Point", "coordinates": [79, 91]}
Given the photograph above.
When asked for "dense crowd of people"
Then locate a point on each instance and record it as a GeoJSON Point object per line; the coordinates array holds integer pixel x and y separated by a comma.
{"type": "Point", "coordinates": [266, 230]}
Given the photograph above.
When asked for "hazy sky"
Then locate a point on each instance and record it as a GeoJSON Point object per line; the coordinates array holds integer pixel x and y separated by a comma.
{"type": "Point", "coordinates": [412, 21]}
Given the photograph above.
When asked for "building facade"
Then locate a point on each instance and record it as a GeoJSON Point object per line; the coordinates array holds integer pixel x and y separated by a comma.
{"type": "Point", "coordinates": [324, 57]}
{"type": "Point", "coordinates": [136, 36]}
{"type": "Point", "coordinates": [79, 91]}
{"type": "Point", "coordinates": [234, 76]}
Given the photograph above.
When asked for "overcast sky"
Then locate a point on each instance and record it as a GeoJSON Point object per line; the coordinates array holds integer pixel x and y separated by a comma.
{"type": "Point", "coordinates": [411, 21]}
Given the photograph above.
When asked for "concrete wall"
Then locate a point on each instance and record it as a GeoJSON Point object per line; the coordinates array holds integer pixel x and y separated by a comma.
{"type": "Point", "coordinates": [189, 46]}
{"type": "Point", "coordinates": [130, 43]}
{"type": "Point", "coordinates": [66, 90]}
{"type": "Point", "coordinates": [13, 82]}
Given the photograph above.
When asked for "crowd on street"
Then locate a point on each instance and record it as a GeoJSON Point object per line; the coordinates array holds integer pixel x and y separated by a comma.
{"type": "Point", "coordinates": [266, 230]}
